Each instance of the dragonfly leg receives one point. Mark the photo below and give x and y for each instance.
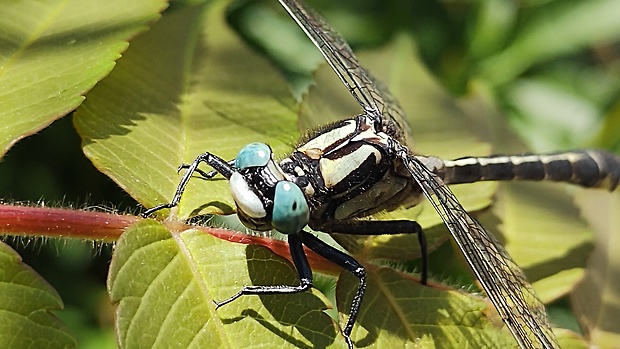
(350, 264)
(367, 227)
(303, 269)
(203, 174)
(214, 161)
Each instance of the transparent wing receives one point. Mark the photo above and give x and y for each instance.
(500, 277)
(371, 94)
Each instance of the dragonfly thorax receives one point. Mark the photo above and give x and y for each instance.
(265, 199)
(347, 170)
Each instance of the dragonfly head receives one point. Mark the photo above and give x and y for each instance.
(264, 198)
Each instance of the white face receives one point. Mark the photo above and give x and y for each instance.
(246, 199)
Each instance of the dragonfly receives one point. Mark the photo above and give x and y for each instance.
(359, 166)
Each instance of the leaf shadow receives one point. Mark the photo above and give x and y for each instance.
(270, 327)
(302, 310)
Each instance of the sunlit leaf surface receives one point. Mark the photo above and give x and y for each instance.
(180, 90)
(53, 52)
(165, 283)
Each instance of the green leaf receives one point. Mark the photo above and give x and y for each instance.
(597, 298)
(53, 52)
(180, 90)
(550, 116)
(545, 235)
(495, 21)
(564, 29)
(397, 311)
(165, 284)
(26, 306)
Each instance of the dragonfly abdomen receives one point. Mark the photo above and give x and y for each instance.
(588, 168)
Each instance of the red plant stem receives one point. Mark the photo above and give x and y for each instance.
(58, 222)
(108, 227)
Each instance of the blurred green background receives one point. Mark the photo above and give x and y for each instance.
(552, 66)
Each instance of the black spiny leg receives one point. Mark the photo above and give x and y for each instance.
(296, 242)
(349, 264)
(303, 269)
(214, 161)
(364, 227)
(206, 175)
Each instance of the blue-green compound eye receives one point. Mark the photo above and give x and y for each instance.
(290, 209)
(253, 155)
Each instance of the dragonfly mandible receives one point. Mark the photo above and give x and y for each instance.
(359, 166)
